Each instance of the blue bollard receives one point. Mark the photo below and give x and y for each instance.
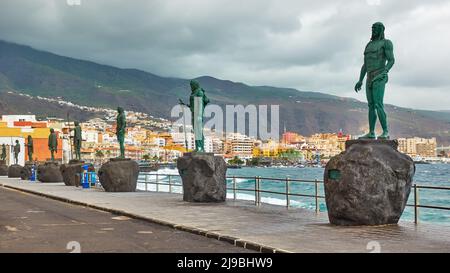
(33, 173)
(84, 177)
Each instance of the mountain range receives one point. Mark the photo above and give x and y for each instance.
(39, 73)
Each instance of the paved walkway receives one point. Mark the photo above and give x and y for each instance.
(30, 223)
(265, 228)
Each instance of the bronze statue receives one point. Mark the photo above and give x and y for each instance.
(120, 130)
(197, 104)
(77, 139)
(3, 152)
(52, 143)
(30, 148)
(378, 60)
(16, 152)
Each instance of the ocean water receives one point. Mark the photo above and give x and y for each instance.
(426, 175)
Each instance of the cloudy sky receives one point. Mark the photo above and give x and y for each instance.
(308, 45)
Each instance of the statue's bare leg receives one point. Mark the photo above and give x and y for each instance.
(372, 112)
(378, 95)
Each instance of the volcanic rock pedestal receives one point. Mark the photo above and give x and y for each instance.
(14, 170)
(25, 173)
(119, 175)
(3, 168)
(71, 172)
(203, 176)
(49, 172)
(368, 184)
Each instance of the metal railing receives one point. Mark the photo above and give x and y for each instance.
(416, 205)
(169, 181)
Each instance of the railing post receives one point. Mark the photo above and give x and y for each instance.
(256, 190)
(259, 192)
(288, 201)
(170, 184)
(146, 182)
(416, 204)
(157, 183)
(316, 196)
(234, 187)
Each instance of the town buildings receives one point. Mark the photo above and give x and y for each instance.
(416, 146)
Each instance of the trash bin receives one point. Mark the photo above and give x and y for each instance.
(92, 178)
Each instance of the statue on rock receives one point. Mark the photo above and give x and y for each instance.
(197, 104)
(52, 143)
(378, 60)
(77, 139)
(16, 152)
(120, 130)
(3, 151)
(30, 148)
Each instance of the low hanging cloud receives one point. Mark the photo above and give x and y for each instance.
(308, 45)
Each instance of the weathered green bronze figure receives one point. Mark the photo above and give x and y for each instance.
(120, 130)
(30, 148)
(52, 143)
(197, 104)
(16, 152)
(3, 152)
(378, 60)
(77, 139)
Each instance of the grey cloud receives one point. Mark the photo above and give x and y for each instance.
(309, 45)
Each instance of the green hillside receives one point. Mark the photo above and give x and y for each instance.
(40, 73)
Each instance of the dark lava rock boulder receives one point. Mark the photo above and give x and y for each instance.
(49, 172)
(3, 168)
(203, 176)
(71, 172)
(368, 184)
(14, 171)
(25, 173)
(119, 175)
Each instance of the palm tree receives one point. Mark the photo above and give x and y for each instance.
(99, 154)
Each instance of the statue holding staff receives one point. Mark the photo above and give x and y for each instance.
(197, 104)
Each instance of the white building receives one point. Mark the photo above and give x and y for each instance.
(178, 138)
(90, 136)
(10, 119)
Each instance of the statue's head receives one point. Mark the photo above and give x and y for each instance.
(120, 110)
(377, 31)
(194, 85)
(76, 123)
(52, 130)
